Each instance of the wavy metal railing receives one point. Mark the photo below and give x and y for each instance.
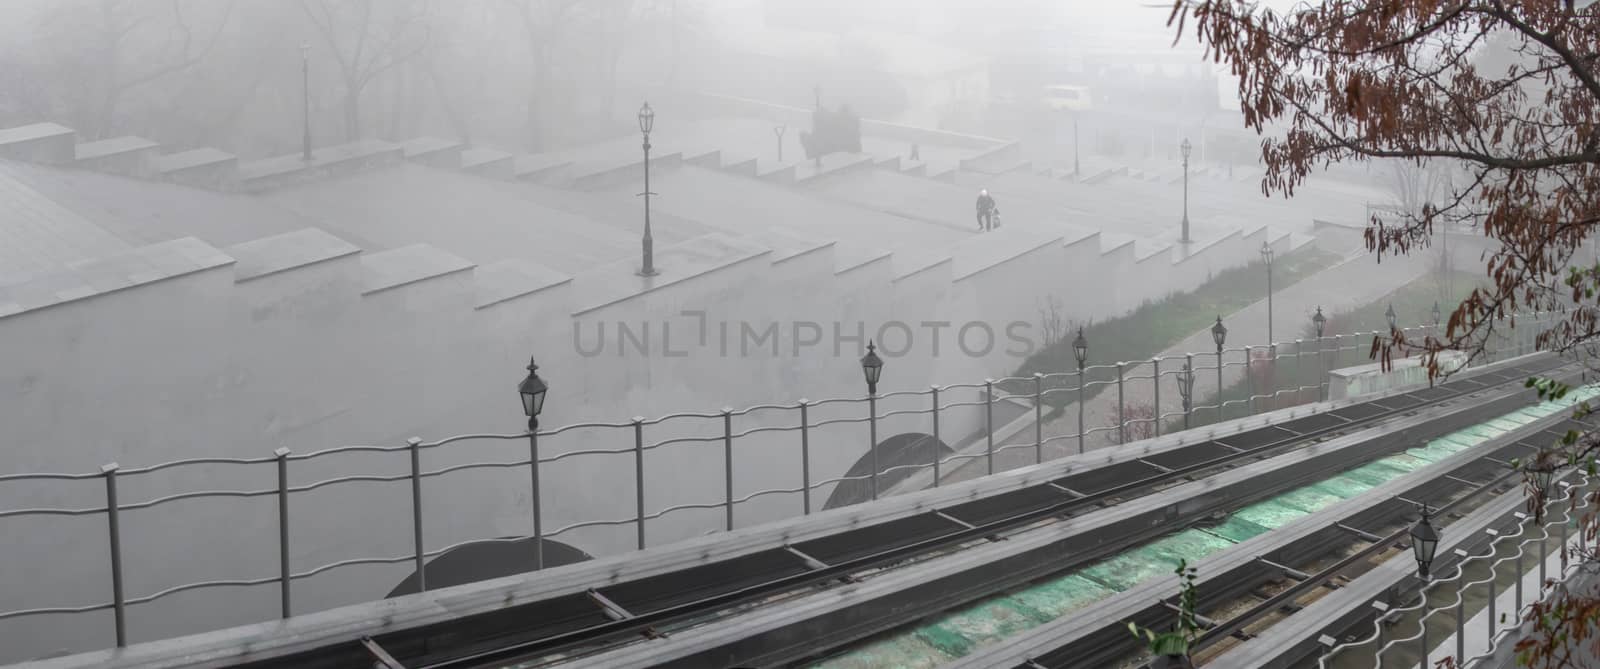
(1161, 368)
(1497, 629)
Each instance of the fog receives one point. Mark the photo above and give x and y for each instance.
(471, 199)
(528, 74)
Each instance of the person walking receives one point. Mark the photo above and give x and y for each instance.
(987, 211)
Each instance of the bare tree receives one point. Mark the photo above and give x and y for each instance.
(368, 38)
(1052, 321)
(135, 43)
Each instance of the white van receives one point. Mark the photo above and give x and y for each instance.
(1067, 98)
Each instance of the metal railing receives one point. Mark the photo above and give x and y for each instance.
(1561, 512)
(800, 418)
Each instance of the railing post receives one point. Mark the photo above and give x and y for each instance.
(937, 454)
(872, 425)
(1299, 355)
(988, 418)
(1188, 404)
(119, 605)
(1273, 384)
(1322, 361)
(1517, 582)
(1422, 624)
(727, 461)
(1122, 420)
(285, 579)
(534, 494)
(1155, 384)
(1219, 385)
(638, 479)
(805, 456)
(1461, 616)
(416, 512)
(1249, 384)
(1038, 417)
(1080, 409)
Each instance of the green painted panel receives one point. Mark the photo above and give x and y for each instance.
(958, 633)
(1404, 463)
(1058, 597)
(1269, 514)
(1309, 499)
(1124, 571)
(1510, 423)
(1351, 485)
(1339, 488)
(1188, 545)
(1433, 452)
(1372, 474)
(1237, 529)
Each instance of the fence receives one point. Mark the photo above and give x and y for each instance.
(804, 420)
(1563, 511)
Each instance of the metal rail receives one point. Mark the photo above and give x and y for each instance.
(523, 650)
(713, 428)
(1216, 631)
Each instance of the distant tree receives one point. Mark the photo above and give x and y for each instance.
(101, 50)
(1506, 94)
(366, 39)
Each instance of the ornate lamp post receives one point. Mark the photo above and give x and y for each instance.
(647, 121)
(533, 390)
(1424, 543)
(1266, 257)
(1186, 390)
(872, 368)
(305, 94)
(1320, 322)
(1219, 334)
(1080, 350)
(1185, 148)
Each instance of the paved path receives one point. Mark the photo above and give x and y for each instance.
(1356, 282)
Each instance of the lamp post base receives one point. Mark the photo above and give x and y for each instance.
(647, 272)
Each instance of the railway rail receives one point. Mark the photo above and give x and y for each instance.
(579, 623)
(1276, 581)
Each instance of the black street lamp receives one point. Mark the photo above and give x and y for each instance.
(1424, 543)
(305, 94)
(647, 122)
(1321, 322)
(1186, 389)
(1185, 148)
(1080, 350)
(533, 390)
(1219, 334)
(872, 368)
(1266, 257)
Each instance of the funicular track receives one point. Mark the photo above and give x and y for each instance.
(1262, 590)
(581, 623)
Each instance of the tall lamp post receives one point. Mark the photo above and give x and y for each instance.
(1186, 390)
(1219, 334)
(1436, 317)
(1185, 148)
(1320, 322)
(1080, 350)
(647, 121)
(872, 368)
(533, 390)
(305, 94)
(1266, 257)
(779, 130)
(1075, 144)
